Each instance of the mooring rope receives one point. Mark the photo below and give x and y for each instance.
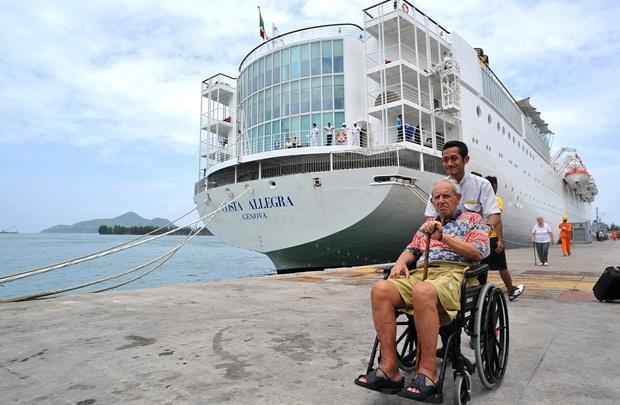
(116, 249)
(2, 279)
(166, 256)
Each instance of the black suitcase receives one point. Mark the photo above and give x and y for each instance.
(607, 287)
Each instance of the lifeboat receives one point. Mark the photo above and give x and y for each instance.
(577, 177)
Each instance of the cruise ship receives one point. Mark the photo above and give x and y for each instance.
(323, 147)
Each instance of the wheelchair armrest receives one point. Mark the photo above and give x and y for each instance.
(479, 271)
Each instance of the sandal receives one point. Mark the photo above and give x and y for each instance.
(420, 383)
(380, 382)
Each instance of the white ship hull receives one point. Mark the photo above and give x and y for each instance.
(349, 220)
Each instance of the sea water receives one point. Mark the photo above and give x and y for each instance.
(203, 259)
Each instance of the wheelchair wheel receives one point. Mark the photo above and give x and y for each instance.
(492, 342)
(462, 385)
(406, 346)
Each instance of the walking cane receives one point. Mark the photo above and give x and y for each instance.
(428, 248)
(534, 247)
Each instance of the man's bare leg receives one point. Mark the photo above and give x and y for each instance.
(385, 298)
(507, 279)
(424, 299)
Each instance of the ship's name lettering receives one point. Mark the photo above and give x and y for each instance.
(260, 203)
(271, 202)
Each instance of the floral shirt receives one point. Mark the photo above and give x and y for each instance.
(467, 226)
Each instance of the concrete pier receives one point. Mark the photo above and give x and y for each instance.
(296, 339)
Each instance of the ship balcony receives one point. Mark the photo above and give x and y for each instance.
(392, 55)
(412, 134)
(395, 95)
(386, 15)
(222, 127)
(219, 88)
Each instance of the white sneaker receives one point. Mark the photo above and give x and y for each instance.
(516, 292)
(545, 264)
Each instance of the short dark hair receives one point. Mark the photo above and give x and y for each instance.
(493, 181)
(463, 151)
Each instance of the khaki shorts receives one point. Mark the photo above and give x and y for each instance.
(446, 278)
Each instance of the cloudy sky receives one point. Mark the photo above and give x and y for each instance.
(99, 100)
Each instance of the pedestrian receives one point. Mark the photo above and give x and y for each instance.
(497, 258)
(399, 127)
(477, 194)
(566, 235)
(329, 134)
(342, 135)
(315, 135)
(355, 135)
(542, 237)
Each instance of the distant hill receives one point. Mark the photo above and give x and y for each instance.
(128, 219)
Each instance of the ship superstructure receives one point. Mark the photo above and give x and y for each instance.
(335, 132)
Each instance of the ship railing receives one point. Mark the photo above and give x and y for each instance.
(389, 54)
(394, 93)
(222, 80)
(395, 155)
(411, 133)
(390, 8)
(292, 139)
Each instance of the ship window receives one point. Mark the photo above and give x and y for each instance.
(268, 70)
(276, 101)
(338, 65)
(285, 64)
(478, 111)
(433, 164)
(409, 158)
(305, 60)
(339, 92)
(221, 177)
(247, 171)
(327, 56)
(295, 97)
(503, 130)
(295, 62)
(305, 96)
(328, 97)
(315, 59)
(498, 127)
(261, 73)
(316, 94)
(489, 119)
(276, 68)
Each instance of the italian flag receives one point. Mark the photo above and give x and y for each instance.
(261, 26)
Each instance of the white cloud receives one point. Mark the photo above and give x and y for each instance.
(91, 73)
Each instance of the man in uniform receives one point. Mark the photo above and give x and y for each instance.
(477, 194)
(566, 235)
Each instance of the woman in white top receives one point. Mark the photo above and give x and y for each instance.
(542, 236)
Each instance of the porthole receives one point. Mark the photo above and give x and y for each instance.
(503, 130)
(498, 126)
(478, 111)
(489, 119)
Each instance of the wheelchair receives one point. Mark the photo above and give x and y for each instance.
(483, 317)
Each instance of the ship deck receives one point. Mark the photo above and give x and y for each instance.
(274, 340)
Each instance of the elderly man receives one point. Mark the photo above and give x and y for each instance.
(458, 239)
